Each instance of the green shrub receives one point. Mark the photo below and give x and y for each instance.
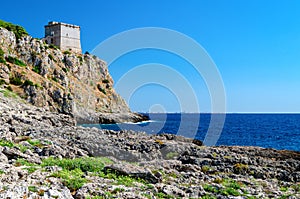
(105, 81)
(53, 46)
(2, 60)
(240, 168)
(9, 88)
(2, 81)
(28, 83)
(66, 70)
(67, 52)
(16, 29)
(101, 89)
(19, 62)
(1, 53)
(15, 81)
(205, 169)
(50, 57)
(36, 69)
(14, 60)
(55, 79)
(80, 59)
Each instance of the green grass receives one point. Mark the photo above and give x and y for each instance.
(22, 147)
(31, 169)
(33, 188)
(208, 197)
(296, 187)
(73, 179)
(210, 188)
(230, 188)
(23, 162)
(73, 169)
(8, 93)
(229, 192)
(97, 197)
(36, 143)
(85, 164)
(231, 184)
(205, 169)
(284, 189)
(11, 144)
(127, 181)
(118, 190)
(6, 143)
(162, 195)
(1, 172)
(171, 155)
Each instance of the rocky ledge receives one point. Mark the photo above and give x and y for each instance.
(45, 155)
(66, 82)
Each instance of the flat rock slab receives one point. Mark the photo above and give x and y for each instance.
(133, 171)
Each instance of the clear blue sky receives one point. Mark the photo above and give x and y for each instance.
(254, 43)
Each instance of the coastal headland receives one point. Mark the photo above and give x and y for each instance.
(45, 93)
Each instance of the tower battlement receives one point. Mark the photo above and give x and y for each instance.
(63, 35)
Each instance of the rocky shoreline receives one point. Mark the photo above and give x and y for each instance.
(37, 148)
(45, 93)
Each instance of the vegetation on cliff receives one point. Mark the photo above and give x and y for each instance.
(19, 31)
(65, 82)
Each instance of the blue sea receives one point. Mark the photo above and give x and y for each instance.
(278, 131)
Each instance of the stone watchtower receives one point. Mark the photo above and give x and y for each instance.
(65, 36)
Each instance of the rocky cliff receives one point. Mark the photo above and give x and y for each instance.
(66, 82)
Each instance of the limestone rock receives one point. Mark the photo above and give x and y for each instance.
(74, 84)
(134, 171)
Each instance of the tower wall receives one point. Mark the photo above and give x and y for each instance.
(65, 36)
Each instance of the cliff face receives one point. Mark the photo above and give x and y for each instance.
(65, 82)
